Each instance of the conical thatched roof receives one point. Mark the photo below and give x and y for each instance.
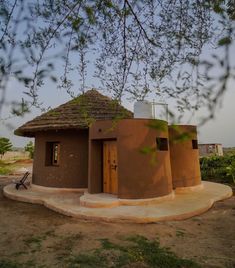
(78, 113)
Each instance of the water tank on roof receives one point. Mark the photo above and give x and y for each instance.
(143, 109)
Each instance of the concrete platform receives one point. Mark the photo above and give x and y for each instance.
(182, 204)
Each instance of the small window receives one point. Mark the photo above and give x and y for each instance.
(162, 144)
(194, 144)
(52, 153)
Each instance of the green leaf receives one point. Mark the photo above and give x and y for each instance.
(76, 23)
(90, 14)
(108, 3)
(147, 150)
(217, 8)
(225, 41)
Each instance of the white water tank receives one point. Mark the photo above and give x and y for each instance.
(143, 109)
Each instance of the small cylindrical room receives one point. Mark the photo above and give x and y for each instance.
(129, 158)
(184, 155)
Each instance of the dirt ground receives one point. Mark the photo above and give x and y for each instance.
(38, 237)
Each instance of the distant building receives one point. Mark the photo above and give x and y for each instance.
(210, 149)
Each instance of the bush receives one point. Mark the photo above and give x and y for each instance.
(218, 168)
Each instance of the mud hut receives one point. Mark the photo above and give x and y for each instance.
(61, 139)
(93, 142)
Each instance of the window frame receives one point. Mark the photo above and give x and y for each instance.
(52, 153)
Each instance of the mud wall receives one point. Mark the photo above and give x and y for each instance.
(72, 170)
(184, 155)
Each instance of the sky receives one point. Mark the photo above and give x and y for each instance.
(221, 129)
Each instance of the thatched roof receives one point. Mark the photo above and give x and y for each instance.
(78, 113)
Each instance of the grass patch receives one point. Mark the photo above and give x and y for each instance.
(2, 163)
(9, 264)
(18, 253)
(4, 171)
(65, 245)
(34, 242)
(138, 251)
(67, 242)
(5, 168)
(12, 264)
(87, 261)
(8, 167)
(50, 233)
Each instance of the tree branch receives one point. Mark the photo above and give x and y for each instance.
(8, 21)
(140, 24)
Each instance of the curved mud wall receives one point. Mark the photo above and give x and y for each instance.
(139, 175)
(184, 155)
(72, 171)
(142, 175)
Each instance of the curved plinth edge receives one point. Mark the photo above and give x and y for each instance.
(182, 206)
(57, 190)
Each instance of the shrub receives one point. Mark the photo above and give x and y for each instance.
(29, 148)
(218, 168)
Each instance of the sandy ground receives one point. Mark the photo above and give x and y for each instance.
(34, 235)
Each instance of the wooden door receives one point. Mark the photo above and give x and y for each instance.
(110, 178)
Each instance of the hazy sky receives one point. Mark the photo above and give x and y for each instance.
(219, 130)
